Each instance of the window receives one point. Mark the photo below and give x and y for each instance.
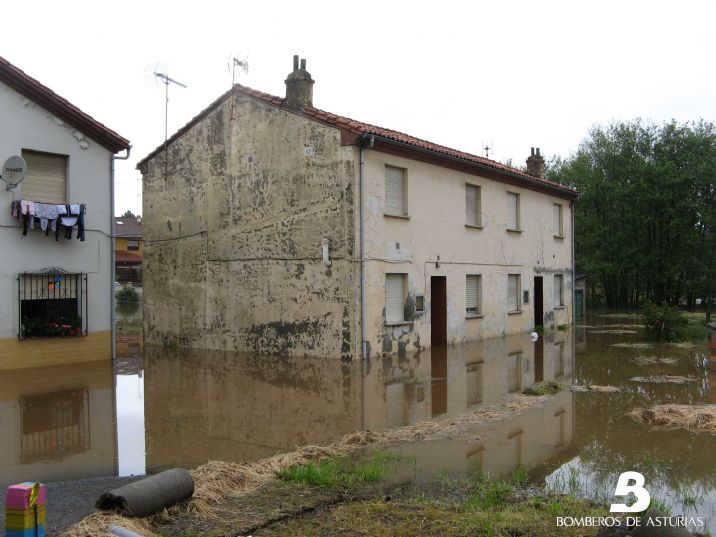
(472, 205)
(513, 211)
(132, 245)
(52, 304)
(558, 290)
(513, 292)
(395, 192)
(46, 178)
(558, 229)
(473, 303)
(395, 298)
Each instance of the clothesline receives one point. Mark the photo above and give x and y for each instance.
(51, 217)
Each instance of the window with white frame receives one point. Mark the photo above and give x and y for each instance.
(396, 200)
(473, 299)
(558, 226)
(558, 290)
(46, 177)
(513, 292)
(132, 245)
(513, 211)
(472, 205)
(395, 285)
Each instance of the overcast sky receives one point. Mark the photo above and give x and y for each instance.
(515, 74)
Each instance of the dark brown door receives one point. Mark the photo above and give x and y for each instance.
(438, 310)
(539, 306)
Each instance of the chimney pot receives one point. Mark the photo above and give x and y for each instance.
(535, 164)
(299, 86)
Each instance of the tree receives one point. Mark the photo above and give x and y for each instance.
(128, 214)
(645, 223)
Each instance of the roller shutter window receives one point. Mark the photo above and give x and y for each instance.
(513, 292)
(472, 205)
(513, 211)
(473, 298)
(395, 202)
(46, 177)
(394, 297)
(558, 231)
(558, 290)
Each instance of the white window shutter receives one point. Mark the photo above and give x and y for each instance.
(512, 211)
(395, 191)
(472, 205)
(394, 297)
(558, 219)
(46, 177)
(513, 292)
(472, 301)
(558, 290)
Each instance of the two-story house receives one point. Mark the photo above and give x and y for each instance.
(274, 227)
(128, 249)
(56, 229)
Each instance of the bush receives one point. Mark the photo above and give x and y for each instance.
(127, 294)
(666, 323)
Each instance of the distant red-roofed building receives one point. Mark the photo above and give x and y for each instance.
(128, 250)
(275, 227)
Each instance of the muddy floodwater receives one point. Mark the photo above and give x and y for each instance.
(157, 408)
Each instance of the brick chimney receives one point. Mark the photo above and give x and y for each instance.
(535, 164)
(299, 86)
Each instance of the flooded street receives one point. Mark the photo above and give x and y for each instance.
(161, 408)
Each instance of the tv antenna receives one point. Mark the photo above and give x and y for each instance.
(166, 80)
(243, 65)
(234, 62)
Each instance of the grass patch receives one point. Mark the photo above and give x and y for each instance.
(341, 472)
(549, 387)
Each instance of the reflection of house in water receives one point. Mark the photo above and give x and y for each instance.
(203, 405)
(58, 423)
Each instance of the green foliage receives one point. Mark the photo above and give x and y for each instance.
(562, 327)
(341, 472)
(646, 216)
(539, 329)
(549, 387)
(520, 476)
(666, 323)
(127, 294)
(488, 493)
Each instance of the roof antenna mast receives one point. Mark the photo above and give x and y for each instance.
(166, 80)
(243, 65)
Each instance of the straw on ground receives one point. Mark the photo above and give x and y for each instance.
(692, 417)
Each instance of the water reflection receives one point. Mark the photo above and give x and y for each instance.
(203, 405)
(678, 465)
(57, 423)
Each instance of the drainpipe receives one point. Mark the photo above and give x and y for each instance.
(365, 143)
(112, 158)
(574, 311)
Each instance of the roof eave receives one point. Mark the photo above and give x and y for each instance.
(48, 99)
(519, 178)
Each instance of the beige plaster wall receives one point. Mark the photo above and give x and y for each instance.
(435, 226)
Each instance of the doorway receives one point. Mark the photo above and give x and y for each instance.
(539, 306)
(438, 310)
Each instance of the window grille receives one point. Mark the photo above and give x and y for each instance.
(52, 304)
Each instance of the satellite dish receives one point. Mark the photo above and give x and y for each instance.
(13, 171)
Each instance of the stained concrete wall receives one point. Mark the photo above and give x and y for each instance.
(27, 125)
(232, 235)
(435, 226)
